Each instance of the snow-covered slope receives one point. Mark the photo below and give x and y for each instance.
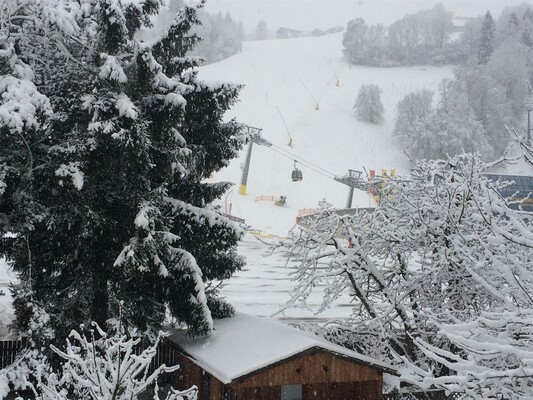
(287, 75)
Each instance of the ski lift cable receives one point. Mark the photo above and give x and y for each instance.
(327, 175)
(303, 160)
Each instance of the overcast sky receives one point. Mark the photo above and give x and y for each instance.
(323, 14)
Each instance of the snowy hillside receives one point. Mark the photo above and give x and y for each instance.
(286, 75)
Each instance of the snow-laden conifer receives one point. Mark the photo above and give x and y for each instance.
(106, 143)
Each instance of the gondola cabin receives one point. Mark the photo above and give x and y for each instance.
(297, 175)
(250, 358)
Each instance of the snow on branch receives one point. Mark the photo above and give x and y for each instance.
(440, 275)
(201, 215)
(97, 366)
(22, 106)
(73, 171)
(112, 70)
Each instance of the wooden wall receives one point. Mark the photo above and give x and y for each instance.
(209, 387)
(324, 376)
(315, 367)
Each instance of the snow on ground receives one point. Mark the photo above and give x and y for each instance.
(286, 75)
(264, 286)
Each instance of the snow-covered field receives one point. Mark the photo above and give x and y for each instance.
(278, 75)
(264, 286)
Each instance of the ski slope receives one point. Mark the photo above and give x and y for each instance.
(291, 76)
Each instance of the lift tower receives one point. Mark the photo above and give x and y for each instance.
(254, 135)
(354, 181)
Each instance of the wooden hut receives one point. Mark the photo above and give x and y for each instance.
(250, 358)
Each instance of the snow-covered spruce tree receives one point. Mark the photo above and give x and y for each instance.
(105, 143)
(368, 106)
(486, 40)
(431, 269)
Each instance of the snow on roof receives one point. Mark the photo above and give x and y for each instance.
(244, 344)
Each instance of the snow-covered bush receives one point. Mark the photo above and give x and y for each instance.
(449, 129)
(368, 106)
(430, 272)
(94, 366)
(414, 112)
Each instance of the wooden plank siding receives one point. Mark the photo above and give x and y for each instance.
(313, 367)
(324, 376)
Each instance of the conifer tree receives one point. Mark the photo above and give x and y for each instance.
(526, 38)
(102, 175)
(486, 41)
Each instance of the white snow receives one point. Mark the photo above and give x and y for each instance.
(112, 69)
(7, 276)
(265, 283)
(126, 107)
(243, 344)
(21, 103)
(273, 72)
(73, 171)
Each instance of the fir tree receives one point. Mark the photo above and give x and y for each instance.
(486, 41)
(526, 38)
(102, 185)
(514, 22)
(528, 15)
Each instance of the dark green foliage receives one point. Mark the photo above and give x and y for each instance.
(104, 201)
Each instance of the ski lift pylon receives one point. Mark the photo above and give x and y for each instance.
(297, 175)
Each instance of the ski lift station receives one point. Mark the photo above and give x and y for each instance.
(251, 358)
(519, 191)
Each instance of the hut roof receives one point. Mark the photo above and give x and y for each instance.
(244, 344)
